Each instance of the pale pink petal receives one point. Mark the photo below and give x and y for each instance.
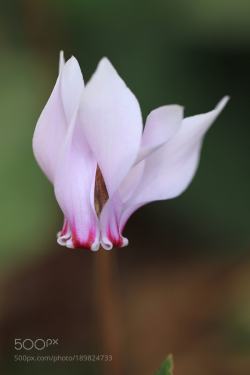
(64, 156)
(74, 182)
(161, 124)
(111, 118)
(164, 174)
(72, 86)
(111, 214)
(170, 169)
(52, 125)
(110, 230)
(50, 133)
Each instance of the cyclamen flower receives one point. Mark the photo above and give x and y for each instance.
(90, 143)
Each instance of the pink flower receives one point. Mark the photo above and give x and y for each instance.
(90, 143)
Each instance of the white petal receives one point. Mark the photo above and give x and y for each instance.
(161, 124)
(131, 181)
(74, 182)
(164, 174)
(112, 122)
(111, 231)
(52, 125)
(72, 86)
(50, 133)
(170, 169)
(112, 213)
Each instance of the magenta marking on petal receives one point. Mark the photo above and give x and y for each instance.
(79, 244)
(115, 241)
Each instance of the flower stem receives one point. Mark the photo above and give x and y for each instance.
(108, 311)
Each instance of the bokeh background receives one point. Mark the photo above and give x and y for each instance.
(184, 281)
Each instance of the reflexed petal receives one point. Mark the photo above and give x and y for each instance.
(74, 190)
(111, 118)
(166, 173)
(170, 169)
(161, 124)
(52, 125)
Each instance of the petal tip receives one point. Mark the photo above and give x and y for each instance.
(105, 67)
(61, 54)
(104, 61)
(69, 244)
(223, 102)
(61, 60)
(72, 61)
(60, 241)
(125, 242)
(106, 244)
(95, 246)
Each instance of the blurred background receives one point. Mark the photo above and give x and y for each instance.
(183, 284)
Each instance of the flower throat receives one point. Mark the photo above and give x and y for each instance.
(101, 193)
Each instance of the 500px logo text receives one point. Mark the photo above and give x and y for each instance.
(37, 344)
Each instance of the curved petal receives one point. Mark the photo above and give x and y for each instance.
(170, 169)
(64, 234)
(72, 86)
(110, 224)
(161, 124)
(52, 125)
(111, 118)
(166, 173)
(50, 133)
(74, 182)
